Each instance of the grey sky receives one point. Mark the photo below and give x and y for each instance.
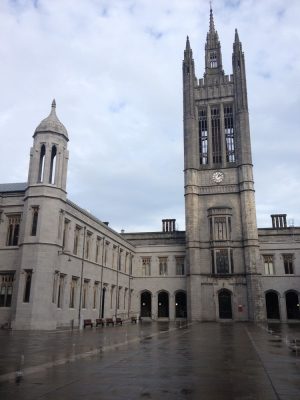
(114, 68)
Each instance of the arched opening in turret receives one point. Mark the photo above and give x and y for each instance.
(52, 165)
(42, 164)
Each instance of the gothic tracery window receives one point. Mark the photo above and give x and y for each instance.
(216, 135)
(203, 139)
(229, 133)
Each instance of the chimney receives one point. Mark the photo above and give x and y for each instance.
(168, 225)
(279, 221)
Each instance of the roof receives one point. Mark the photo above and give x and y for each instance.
(52, 124)
(13, 187)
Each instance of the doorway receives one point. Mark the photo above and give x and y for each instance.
(272, 305)
(163, 305)
(225, 308)
(180, 305)
(292, 305)
(146, 304)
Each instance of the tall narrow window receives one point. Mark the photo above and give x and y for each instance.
(73, 290)
(120, 259)
(119, 296)
(220, 228)
(229, 133)
(6, 288)
(268, 263)
(222, 262)
(13, 230)
(179, 265)
(88, 245)
(146, 266)
(76, 239)
(35, 215)
(213, 59)
(112, 290)
(42, 164)
(55, 284)
(163, 266)
(288, 263)
(130, 263)
(105, 253)
(95, 294)
(27, 286)
(216, 135)
(98, 245)
(85, 293)
(203, 147)
(52, 165)
(60, 296)
(65, 234)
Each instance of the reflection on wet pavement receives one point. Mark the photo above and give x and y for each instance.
(161, 361)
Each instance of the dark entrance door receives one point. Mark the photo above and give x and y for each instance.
(180, 304)
(225, 310)
(272, 305)
(103, 302)
(163, 305)
(292, 305)
(146, 299)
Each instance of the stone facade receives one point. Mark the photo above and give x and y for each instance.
(60, 265)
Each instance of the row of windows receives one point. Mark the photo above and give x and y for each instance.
(13, 226)
(288, 264)
(216, 135)
(90, 295)
(163, 268)
(96, 248)
(6, 287)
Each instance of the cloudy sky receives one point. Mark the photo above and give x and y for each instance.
(114, 68)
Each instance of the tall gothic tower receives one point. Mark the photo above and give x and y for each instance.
(223, 262)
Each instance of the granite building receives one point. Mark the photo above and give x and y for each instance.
(60, 265)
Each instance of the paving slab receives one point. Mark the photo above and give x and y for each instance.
(208, 361)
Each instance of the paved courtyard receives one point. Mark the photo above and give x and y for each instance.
(152, 361)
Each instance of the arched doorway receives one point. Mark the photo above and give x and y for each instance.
(103, 302)
(163, 305)
(272, 305)
(180, 305)
(292, 305)
(146, 304)
(225, 308)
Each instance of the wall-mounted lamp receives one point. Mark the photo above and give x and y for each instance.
(60, 252)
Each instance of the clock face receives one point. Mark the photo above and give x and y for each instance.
(218, 177)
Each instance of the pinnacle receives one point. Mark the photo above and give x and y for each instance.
(236, 37)
(53, 104)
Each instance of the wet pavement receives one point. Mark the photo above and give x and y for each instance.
(208, 361)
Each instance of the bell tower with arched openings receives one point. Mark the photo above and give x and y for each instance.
(49, 154)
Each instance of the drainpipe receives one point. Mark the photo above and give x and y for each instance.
(101, 280)
(81, 278)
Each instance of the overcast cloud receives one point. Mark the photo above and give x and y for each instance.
(114, 68)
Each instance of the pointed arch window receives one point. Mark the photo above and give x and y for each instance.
(52, 165)
(35, 216)
(229, 133)
(42, 164)
(203, 140)
(213, 63)
(216, 135)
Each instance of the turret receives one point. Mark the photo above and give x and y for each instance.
(213, 55)
(49, 154)
(189, 110)
(241, 103)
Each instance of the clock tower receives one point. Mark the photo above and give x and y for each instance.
(223, 261)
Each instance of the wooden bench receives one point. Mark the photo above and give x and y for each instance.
(294, 345)
(119, 321)
(109, 321)
(99, 321)
(87, 322)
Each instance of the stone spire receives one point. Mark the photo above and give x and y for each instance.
(213, 56)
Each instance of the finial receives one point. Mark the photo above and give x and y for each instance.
(211, 18)
(53, 104)
(188, 47)
(236, 36)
